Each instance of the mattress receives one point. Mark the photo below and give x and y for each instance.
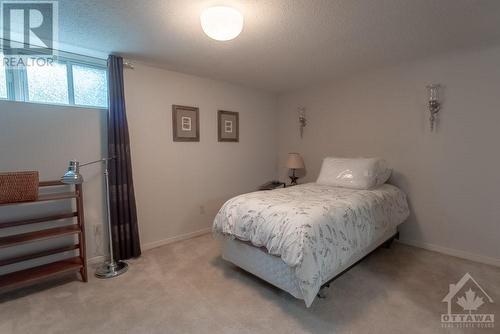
(314, 229)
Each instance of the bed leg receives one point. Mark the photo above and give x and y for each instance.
(322, 293)
(389, 242)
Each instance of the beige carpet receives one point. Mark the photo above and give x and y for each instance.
(187, 288)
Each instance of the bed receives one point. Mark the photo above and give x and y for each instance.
(299, 238)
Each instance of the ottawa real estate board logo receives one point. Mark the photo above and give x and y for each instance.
(29, 31)
(467, 305)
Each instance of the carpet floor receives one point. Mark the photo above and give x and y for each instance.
(186, 287)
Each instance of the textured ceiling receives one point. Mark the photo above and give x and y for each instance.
(285, 44)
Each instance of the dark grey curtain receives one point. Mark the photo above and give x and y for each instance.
(124, 228)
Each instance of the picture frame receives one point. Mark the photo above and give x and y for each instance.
(228, 126)
(185, 123)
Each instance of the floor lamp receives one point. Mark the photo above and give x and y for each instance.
(72, 176)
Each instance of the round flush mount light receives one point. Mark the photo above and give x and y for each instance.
(221, 23)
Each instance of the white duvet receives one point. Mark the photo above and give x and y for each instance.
(313, 228)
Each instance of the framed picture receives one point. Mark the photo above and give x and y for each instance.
(228, 126)
(185, 123)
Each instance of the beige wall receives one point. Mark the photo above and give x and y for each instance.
(180, 186)
(44, 138)
(451, 176)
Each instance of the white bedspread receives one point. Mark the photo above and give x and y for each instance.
(313, 228)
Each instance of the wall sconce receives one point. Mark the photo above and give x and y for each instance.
(302, 120)
(434, 104)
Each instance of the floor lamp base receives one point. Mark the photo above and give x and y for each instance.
(111, 269)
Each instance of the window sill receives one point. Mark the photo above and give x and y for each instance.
(56, 104)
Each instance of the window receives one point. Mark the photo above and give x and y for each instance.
(63, 82)
(3, 82)
(90, 86)
(48, 84)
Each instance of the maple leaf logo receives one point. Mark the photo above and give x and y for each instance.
(471, 302)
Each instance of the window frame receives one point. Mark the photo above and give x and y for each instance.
(82, 64)
(17, 84)
(6, 85)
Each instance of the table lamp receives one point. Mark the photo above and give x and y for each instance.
(294, 162)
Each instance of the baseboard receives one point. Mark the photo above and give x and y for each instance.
(453, 252)
(97, 259)
(423, 245)
(170, 240)
(101, 258)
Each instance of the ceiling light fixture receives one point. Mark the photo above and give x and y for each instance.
(221, 23)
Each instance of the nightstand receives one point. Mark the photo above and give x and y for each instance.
(272, 185)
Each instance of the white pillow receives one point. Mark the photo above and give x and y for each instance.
(359, 173)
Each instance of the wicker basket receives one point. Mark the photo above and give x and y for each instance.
(18, 187)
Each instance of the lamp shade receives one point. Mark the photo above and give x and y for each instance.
(72, 176)
(295, 161)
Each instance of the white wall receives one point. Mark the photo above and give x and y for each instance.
(451, 176)
(181, 185)
(44, 138)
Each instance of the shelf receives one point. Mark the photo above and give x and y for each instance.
(47, 197)
(41, 272)
(40, 232)
(18, 239)
(51, 183)
(37, 255)
(39, 220)
(53, 197)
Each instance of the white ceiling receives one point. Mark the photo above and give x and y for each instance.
(285, 44)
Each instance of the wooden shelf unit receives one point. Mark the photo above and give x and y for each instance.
(71, 265)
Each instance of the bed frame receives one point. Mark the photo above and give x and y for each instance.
(386, 244)
(272, 269)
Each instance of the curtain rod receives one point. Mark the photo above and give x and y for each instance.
(126, 63)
